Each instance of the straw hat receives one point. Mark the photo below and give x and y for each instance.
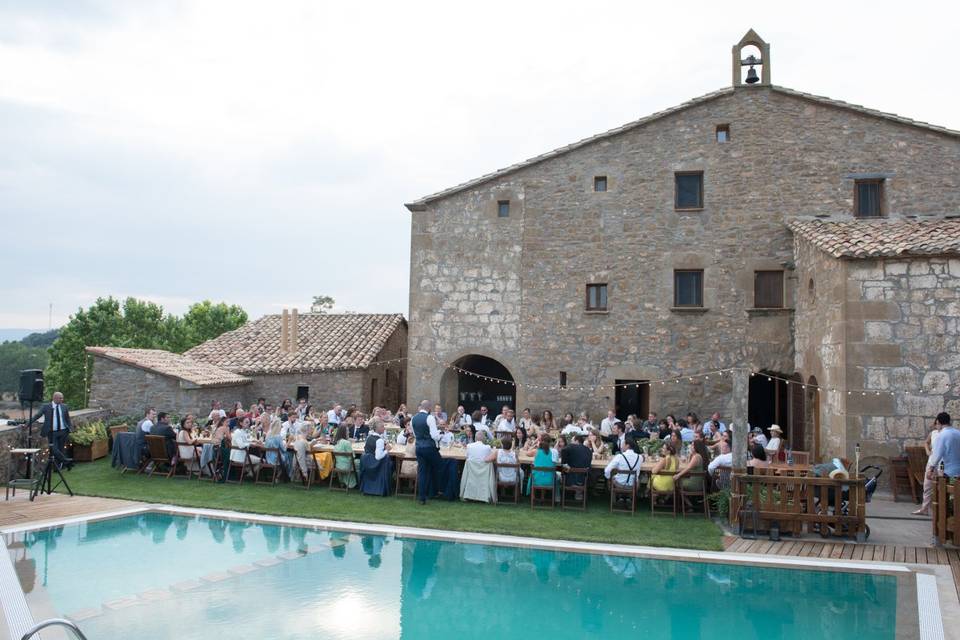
(776, 428)
(839, 473)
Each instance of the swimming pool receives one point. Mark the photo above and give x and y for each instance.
(157, 575)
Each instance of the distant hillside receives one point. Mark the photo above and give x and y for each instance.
(14, 334)
(27, 352)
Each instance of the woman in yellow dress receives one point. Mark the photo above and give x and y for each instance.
(668, 465)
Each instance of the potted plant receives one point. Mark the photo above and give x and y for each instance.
(89, 441)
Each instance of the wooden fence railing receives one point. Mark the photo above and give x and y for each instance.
(946, 497)
(824, 505)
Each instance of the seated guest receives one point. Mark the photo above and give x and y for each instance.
(724, 459)
(485, 421)
(687, 430)
(400, 418)
(662, 431)
(507, 455)
(616, 438)
(376, 467)
(478, 481)
(241, 439)
(606, 425)
(561, 443)
(576, 455)
(360, 431)
(594, 442)
(699, 459)
(651, 424)
(547, 422)
(221, 442)
(758, 455)
(446, 436)
(521, 436)
(164, 430)
(143, 429)
(757, 435)
(568, 419)
(626, 460)
(470, 432)
(343, 444)
(505, 423)
(775, 443)
(462, 418)
(543, 459)
(676, 439)
(666, 464)
(406, 434)
(274, 441)
(185, 436)
(303, 409)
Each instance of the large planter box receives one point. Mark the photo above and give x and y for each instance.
(98, 449)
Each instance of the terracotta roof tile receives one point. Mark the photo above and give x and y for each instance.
(174, 365)
(879, 238)
(326, 342)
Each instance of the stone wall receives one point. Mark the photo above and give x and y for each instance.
(902, 320)
(390, 379)
(820, 335)
(127, 390)
(513, 288)
(326, 388)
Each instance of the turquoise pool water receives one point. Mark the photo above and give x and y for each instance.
(156, 576)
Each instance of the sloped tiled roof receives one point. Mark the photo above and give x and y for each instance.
(420, 205)
(326, 342)
(174, 365)
(880, 238)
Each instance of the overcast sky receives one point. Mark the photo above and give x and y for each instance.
(261, 153)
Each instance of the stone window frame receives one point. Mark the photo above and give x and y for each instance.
(503, 205)
(676, 190)
(745, 281)
(606, 296)
(601, 179)
(722, 129)
(676, 291)
(882, 197)
(783, 289)
(563, 379)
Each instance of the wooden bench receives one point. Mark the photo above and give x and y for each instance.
(946, 495)
(801, 501)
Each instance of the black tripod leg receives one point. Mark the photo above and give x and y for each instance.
(63, 481)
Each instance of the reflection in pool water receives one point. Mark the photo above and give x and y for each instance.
(157, 575)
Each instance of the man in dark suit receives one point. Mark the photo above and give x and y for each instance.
(163, 428)
(576, 455)
(56, 427)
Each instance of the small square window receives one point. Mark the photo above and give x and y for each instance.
(503, 208)
(563, 379)
(688, 288)
(596, 297)
(768, 289)
(723, 133)
(600, 183)
(689, 190)
(868, 198)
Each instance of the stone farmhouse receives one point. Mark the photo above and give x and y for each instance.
(810, 241)
(327, 358)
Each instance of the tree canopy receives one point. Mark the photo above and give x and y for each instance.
(136, 324)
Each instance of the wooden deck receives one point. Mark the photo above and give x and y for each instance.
(19, 510)
(850, 551)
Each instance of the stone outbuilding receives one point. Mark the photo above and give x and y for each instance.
(611, 272)
(327, 358)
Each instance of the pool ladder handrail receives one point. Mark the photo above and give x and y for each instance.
(54, 622)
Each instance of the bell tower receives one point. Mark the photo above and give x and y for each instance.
(751, 61)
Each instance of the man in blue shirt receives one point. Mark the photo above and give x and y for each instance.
(946, 449)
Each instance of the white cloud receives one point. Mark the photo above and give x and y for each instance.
(247, 152)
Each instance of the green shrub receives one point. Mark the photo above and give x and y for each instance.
(720, 502)
(86, 434)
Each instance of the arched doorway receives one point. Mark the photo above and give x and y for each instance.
(478, 380)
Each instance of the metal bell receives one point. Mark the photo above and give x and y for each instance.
(752, 77)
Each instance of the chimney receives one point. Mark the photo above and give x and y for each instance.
(284, 331)
(294, 330)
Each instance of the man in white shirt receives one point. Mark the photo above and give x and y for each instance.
(334, 416)
(148, 419)
(606, 425)
(485, 423)
(505, 422)
(716, 423)
(290, 428)
(382, 447)
(626, 460)
(773, 446)
(480, 450)
(216, 412)
(463, 418)
(759, 437)
(725, 459)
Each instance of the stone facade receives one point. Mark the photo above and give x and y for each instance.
(513, 288)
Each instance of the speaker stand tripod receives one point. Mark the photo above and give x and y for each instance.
(45, 484)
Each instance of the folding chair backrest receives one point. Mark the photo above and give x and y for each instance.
(157, 447)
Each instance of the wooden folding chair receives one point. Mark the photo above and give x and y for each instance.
(917, 463)
(509, 489)
(578, 492)
(654, 494)
(157, 448)
(623, 484)
(800, 457)
(274, 468)
(542, 493)
(697, 493)
(213, 465)
(242, 466)
(406, 478)
(189, 465)
(900, 480)
(308, 475)
(341, 476)
(114, 430)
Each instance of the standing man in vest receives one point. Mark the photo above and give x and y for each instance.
(56, 427)
(428, 455)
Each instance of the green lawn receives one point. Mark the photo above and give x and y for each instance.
(595, 525)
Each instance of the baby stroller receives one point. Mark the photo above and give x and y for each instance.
(872, 473)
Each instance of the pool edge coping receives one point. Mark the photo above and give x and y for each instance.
(925, 621)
